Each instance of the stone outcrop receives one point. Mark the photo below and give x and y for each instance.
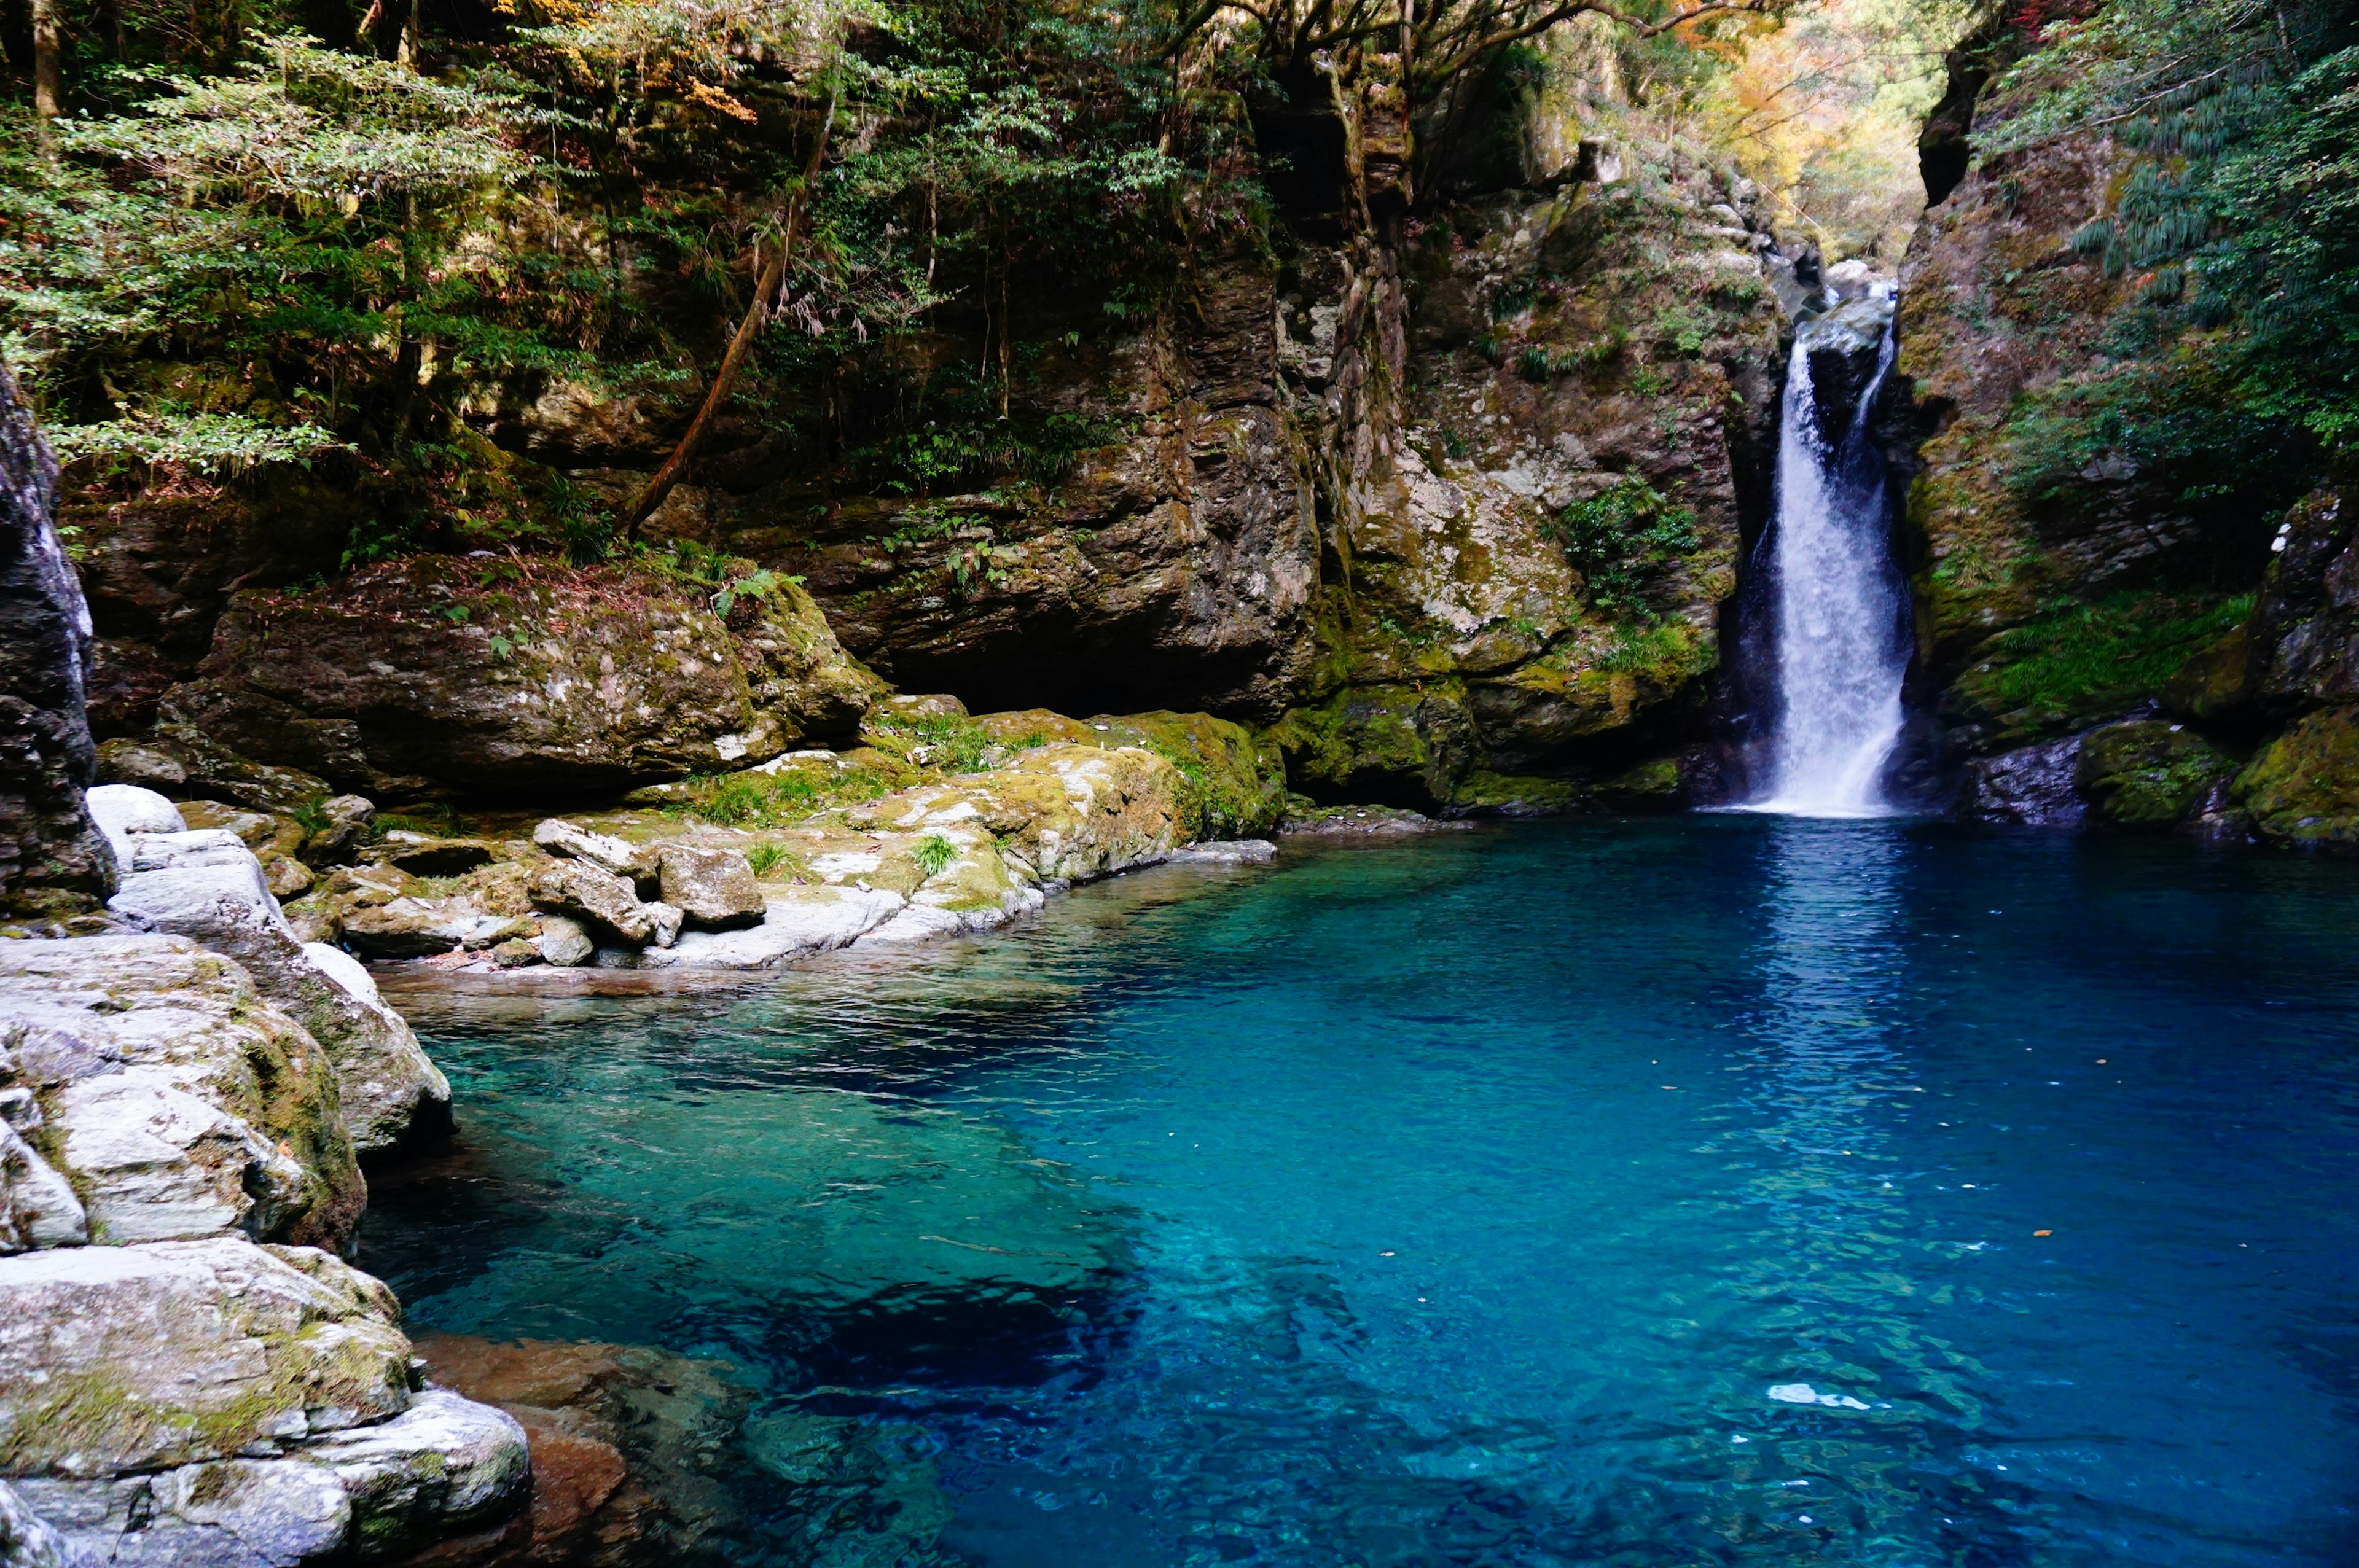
(53, 862)
(1174, 563)
(1609, 345)
(430, 675)
(186, 1378)
(208, 887)
(175, 1097)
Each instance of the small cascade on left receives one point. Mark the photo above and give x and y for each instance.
(1838, 607)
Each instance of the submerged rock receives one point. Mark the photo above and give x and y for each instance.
(628, 1444)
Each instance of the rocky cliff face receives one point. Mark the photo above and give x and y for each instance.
(2107, 639)
(52, 859)
(1454, 502)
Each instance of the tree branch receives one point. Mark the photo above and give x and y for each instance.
(724, 380)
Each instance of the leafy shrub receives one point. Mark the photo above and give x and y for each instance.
(934, 854)
(1619, 539)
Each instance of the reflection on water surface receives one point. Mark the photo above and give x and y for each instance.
(1654, 1192)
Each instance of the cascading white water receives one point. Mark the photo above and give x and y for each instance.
(1840, 638)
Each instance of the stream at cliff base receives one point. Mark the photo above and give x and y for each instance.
(1713, 1189)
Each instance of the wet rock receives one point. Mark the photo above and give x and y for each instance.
(2147, 773)
(628, 1444)
(177, 1099)
(2033, 786)
(390, 1092)
(1361, 822)
(125, 1358)
(1229, 852)
(714, 888)
(1842, 349)
(566, 680)
(52, 860)
(2302, 788)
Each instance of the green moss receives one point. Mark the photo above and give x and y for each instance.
(2303, 787)
(1235, 784)
(2147, 774)
(2081, 663)
(756, 799)
(1511, 795)
(945, 742)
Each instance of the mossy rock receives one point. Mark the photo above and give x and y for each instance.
(2303, 787)
(2146, 774)
(1397, 744)
(1235, 781)
(1484, 793)
(1024, 727)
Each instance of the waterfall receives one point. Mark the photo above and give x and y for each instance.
(1839, 609)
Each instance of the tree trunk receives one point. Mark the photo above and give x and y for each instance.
(724, 380)
(48, 69)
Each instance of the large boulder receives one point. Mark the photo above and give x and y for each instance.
(604, 900)
(127, 1358)
(52, 860)
(714, 888)
(171, 1094)
(391, 1093)
(2302, 788)
(2147, 773)
(418, 676)
(1060, 813)
(217, 1404)
(1233, 782)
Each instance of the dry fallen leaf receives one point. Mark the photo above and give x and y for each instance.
(2043, 1233)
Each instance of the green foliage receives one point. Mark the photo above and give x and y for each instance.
(766, 858)
(207, 444)
(2081, 660)
(2237, 213)
(950, 742)
(1619, 539)
(750, 799)
(934, 854)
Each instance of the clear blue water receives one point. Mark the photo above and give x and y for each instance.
(1665, 1192)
